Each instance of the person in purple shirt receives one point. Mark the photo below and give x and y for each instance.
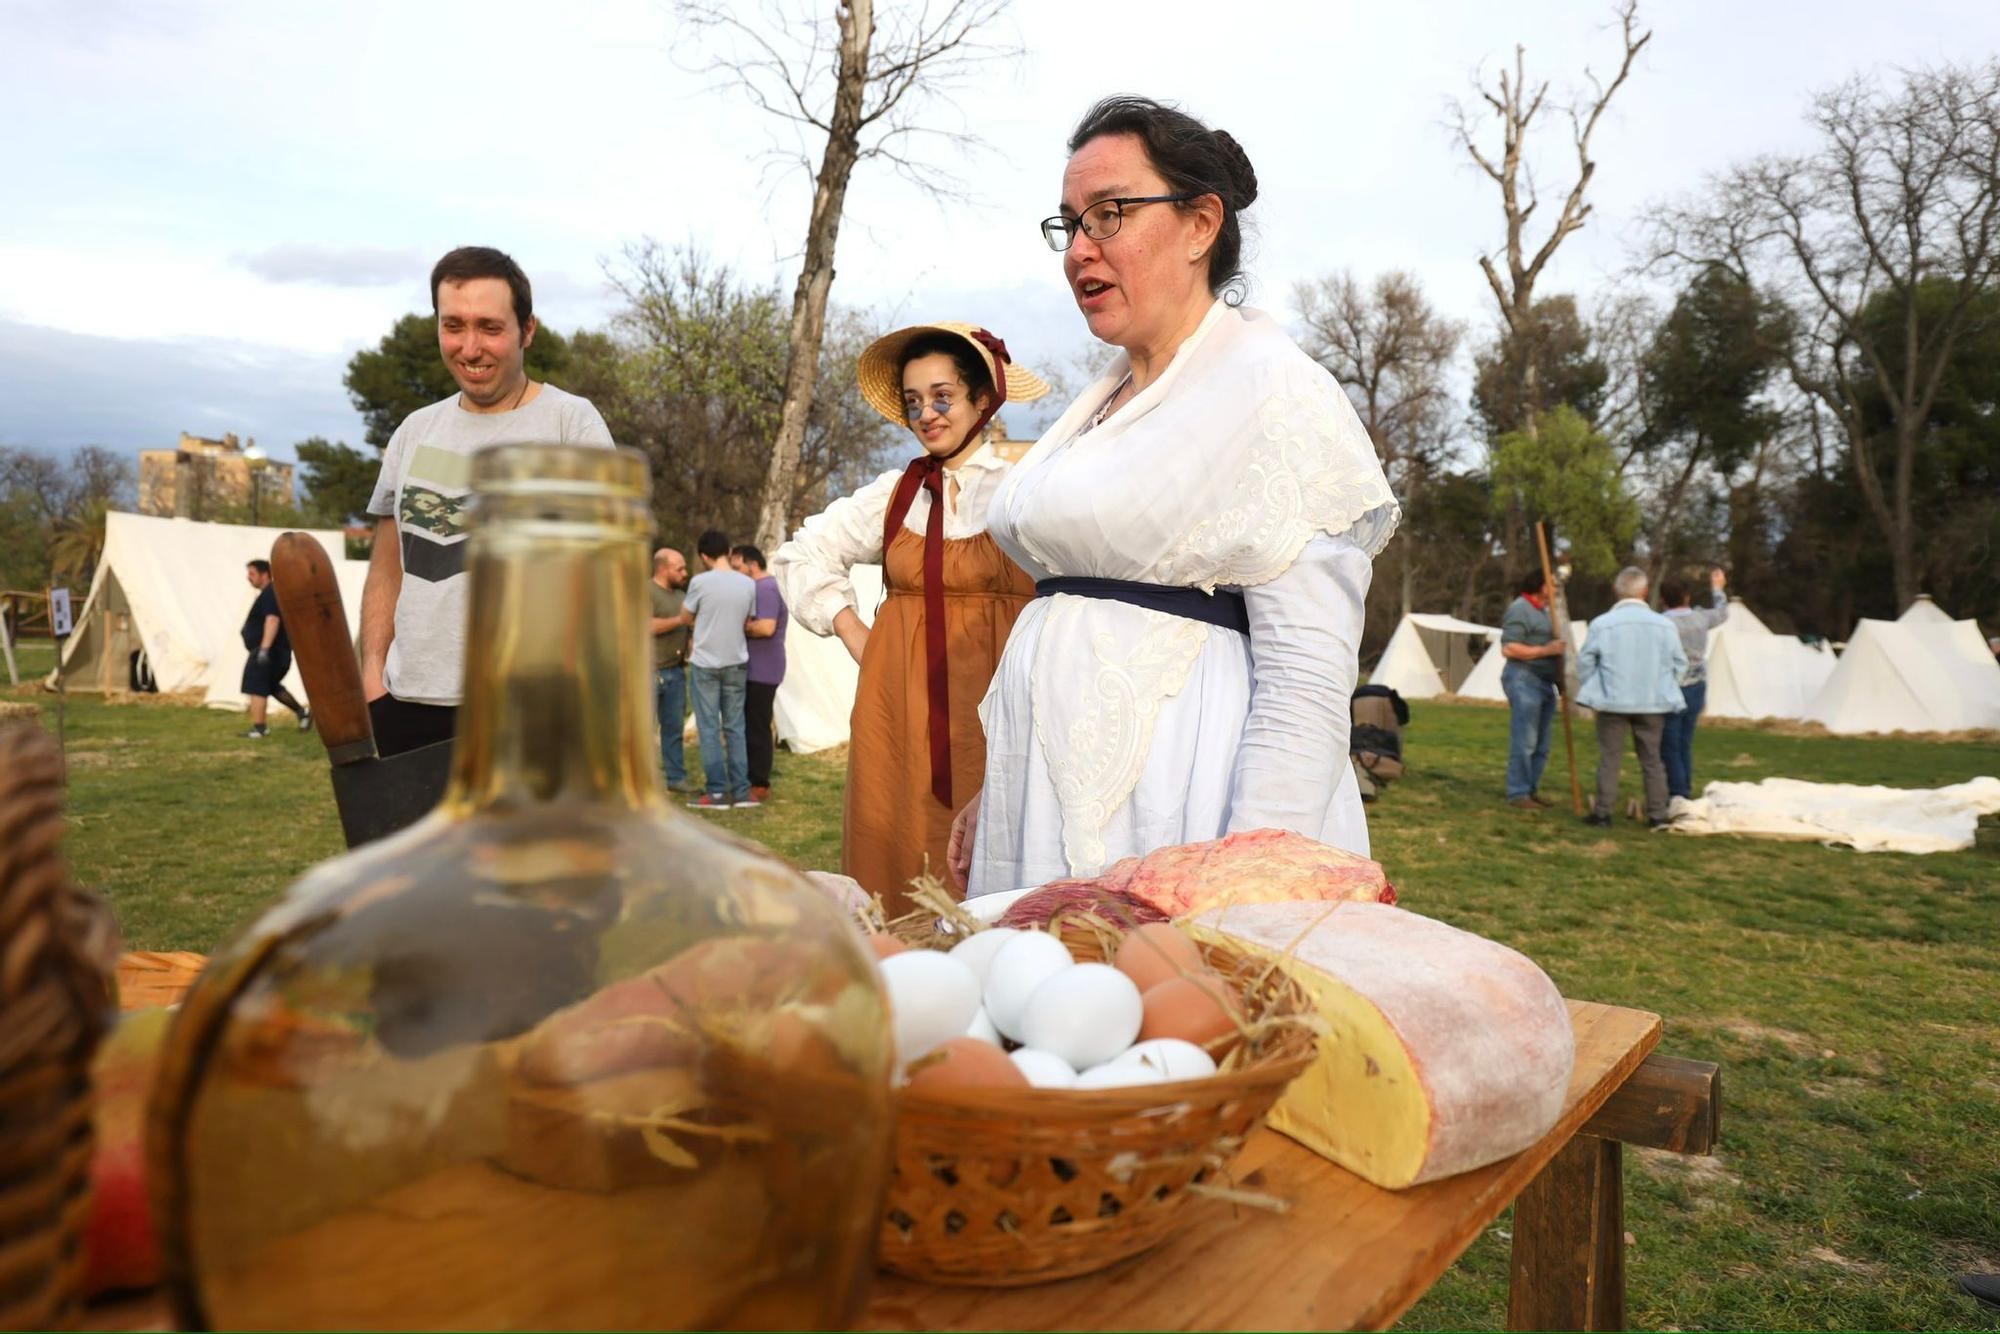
(766, 632)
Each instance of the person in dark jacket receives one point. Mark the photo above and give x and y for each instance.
(270, 654)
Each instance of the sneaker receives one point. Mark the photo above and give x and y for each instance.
(760, 794)
(1540, 800)
(1657, 823)
(306, 721)
(257, 733)
(682, 788)
(1524, 803)
(747, 802)
(1596, 821)
(705, 802)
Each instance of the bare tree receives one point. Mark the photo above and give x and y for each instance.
(1515, 108)
(1392, 353)
(865, 90)
(1881, 240)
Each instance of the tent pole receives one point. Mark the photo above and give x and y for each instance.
(1559, 624)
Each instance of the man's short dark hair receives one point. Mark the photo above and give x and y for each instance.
(1673, 591)
(260, 566)
(713, 545)
(750, 555)
(479, 261)
(1530, 580)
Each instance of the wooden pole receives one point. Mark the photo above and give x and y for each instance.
(1559, 624)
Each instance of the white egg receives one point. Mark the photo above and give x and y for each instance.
(1045, 1070)
(1118, 1075)
(1018, 967)
(932, 999)
(976, 952)
(982, 1028)
(1172, 1057)
(1086, 1014)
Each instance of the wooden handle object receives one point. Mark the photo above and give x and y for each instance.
(309, 601)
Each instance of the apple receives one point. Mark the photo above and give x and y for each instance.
(121, 1248)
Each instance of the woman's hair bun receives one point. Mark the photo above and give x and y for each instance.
(1243, 176)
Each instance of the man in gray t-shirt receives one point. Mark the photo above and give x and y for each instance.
(721, 602)
(413, 610)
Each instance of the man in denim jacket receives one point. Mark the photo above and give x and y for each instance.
(1629, 672)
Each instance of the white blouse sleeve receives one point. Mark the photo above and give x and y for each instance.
(1305, 635)
(811, 569)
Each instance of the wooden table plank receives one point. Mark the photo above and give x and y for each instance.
(1347, 1256)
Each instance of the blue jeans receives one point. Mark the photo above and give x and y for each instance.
(718, 717)
(1677, 745)
(1531, 704)
(670, 707)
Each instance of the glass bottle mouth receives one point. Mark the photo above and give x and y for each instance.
(565, 484)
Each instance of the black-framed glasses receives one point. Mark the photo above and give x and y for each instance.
(1101, 221)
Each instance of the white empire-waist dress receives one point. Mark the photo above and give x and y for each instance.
(1112, 729)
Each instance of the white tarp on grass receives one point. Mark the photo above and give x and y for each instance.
(174, 588)
(1429, 655)
(1868, 819)
(1911, 676)
(816, 700)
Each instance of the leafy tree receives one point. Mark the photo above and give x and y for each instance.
(338, 481)
(404, 372)
(1567, 473)
(1553, 342)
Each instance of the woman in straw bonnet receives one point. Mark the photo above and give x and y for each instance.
(1201, 525)
(916, 752)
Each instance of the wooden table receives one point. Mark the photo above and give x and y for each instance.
(1348, 1255)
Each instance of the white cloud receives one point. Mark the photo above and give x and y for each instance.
(333, 265)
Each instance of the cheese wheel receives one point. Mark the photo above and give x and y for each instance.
(1444, 1052)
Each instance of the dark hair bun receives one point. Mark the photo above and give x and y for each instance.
(1242, 176)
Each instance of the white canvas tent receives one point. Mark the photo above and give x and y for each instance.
(1903, 676)
(173, 589)
(1924, 612)
(1753, 673)
(817, 697)
(1429, 655)
(1483, 682)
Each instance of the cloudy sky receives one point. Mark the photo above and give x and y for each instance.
(210, 207)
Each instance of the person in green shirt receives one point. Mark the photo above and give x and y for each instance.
(670, 654)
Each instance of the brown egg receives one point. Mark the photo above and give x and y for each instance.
(1156, 952)
(965, 1063)
(1188, 1008)
(884, 945)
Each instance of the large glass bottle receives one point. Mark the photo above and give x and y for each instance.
(556, 1056)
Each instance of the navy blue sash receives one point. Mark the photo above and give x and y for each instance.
(1222, 608)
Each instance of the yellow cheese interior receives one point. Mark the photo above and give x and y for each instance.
(1361, 1102)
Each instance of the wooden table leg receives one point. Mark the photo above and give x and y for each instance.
(1569, 1242)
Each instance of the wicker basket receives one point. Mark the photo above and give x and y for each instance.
(56, 947)
(1012, 1187)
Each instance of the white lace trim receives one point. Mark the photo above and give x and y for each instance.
(1095, 734)
(1301, 479)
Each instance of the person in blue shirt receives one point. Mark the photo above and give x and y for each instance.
(1531, 678)
(270, 654)
(1630, 673)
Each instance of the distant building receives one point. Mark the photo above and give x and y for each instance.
(202, 478)
(1010, 450)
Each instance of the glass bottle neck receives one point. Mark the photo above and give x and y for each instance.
(557, 705)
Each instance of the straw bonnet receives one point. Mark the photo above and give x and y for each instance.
(880, 370)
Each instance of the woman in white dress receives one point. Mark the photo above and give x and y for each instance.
(1200, 525)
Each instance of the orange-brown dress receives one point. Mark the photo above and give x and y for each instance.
(893, 822)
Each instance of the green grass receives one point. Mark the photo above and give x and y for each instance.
(1853, 1001)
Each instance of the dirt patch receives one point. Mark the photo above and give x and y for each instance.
(1740, 762)
(103, 759)
(1828, 1256)
(1602, 848)
(1798, 1044)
